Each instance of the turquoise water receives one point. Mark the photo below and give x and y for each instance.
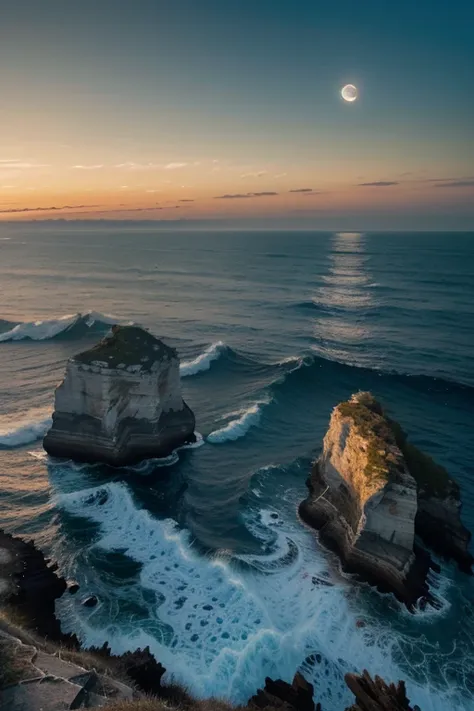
(202, 556)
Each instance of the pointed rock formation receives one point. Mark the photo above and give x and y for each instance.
(120, 402)
(376, 695)
(278, 694)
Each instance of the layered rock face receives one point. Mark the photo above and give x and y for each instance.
(438, 519)
(364, 500)
(120, 402)
(371, 492)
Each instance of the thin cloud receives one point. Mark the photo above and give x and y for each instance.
(88, 167)
(378, 184)
(280, 175)
(302, 190)
(130, 209)
(175, 166)
(456, 184)
(187, 200)
(447, 180)
(259, 174)
(130, 165)
(45, 209)
(20, 165)
(239, 196)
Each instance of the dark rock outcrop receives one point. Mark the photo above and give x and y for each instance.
(376, 695)
(371, 492)
(30, 585)
(120, 402)
(438, 519)
(278, 694)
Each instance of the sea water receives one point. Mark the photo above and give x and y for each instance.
(202, 556)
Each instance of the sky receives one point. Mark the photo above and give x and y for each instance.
(231, 111)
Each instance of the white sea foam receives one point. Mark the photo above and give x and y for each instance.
(40, 330)
(203, 361)
(43, 330)
(248, 417)
(221, 625)
(19, 429)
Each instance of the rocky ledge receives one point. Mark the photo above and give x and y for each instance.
(371, 492)
(47, 671)
(120, 402)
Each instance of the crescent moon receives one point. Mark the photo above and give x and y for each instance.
(349, 93)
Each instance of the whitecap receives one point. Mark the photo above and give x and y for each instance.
(44, 330)
(40, 330)
(221, 625)
(203, 361)
(249, 417)
(19, 429)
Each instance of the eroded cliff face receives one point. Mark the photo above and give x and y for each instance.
(120, 402)
(363, 500)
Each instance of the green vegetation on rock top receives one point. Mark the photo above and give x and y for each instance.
(382, 434)
(374, 428)
(126, 346)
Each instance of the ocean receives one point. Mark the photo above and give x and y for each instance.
(202, 556)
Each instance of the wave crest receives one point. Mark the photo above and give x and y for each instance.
(203, 361)
(15, 431)
(235, 429)
(50, 328)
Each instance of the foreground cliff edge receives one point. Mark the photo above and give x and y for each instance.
(42, 669)
(120, 402)
(371, 491)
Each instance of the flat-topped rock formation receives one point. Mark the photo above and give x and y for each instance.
(120, 402)
(371, 492)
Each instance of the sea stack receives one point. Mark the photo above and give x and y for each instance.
(371, 492)
(363, 500)
(120, 402)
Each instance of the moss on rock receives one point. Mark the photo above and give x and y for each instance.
(382, 434)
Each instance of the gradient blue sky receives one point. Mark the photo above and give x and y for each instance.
(137, 108)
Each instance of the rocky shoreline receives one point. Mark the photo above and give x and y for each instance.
(52, 674)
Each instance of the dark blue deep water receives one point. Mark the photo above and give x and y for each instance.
(202, 556)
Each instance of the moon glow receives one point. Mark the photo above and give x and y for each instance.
(349, 93)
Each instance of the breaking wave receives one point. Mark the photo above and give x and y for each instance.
(220, 624)
(249, 417)
(17, 430)
(71, 324)
(203, 361)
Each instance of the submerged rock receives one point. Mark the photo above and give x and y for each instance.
(371, 492)
(90, 601)
(120, 402)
